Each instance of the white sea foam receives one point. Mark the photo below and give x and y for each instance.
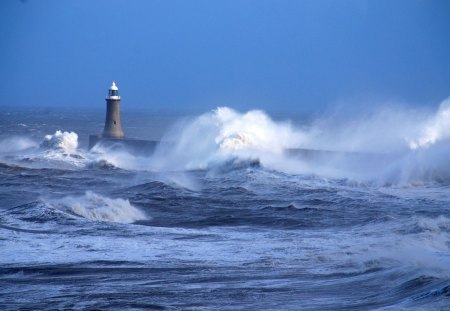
(96, 207)
(420, 242)
(65, 141)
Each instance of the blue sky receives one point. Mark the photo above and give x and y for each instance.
(280, 56)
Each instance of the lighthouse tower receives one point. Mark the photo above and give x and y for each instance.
(112, 136)
(113, 128)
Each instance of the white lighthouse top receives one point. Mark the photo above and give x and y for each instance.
(113, 92)
(113, 86)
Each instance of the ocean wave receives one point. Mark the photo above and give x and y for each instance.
(221, 135)
(377, 148)
(224, 140)
(57, 151)
(101, 164)
(437, 225)
(99, 208)
(65, 141)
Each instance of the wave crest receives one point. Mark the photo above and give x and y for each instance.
(221, 135)
(65, 141)
(253, 129)
(96, 207)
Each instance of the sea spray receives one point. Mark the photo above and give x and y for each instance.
(221, 135)
(385, 129)
(65, 141)
(436, 129)
(388, 145)
(58, 150)
(16, 144)
(373, 147)
(254, 130)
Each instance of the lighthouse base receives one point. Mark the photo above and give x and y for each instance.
(135, 146)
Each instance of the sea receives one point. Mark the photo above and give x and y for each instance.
(234, 210)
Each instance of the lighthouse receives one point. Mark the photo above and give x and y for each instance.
(113, 128)
(112, 137)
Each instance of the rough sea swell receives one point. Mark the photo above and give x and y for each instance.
(222, 217)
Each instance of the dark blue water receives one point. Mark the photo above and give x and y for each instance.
(195, 230)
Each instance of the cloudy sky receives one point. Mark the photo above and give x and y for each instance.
(278, 55)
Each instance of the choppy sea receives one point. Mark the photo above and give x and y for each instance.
(220, 217)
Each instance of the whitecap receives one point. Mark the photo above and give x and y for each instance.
(100, 208)
(65, 141)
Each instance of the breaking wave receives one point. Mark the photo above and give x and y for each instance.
(375, 147)
(221, 135)
(65, 141)
(251, 130)
(60, 149)
(388, 146)
(96, 207)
